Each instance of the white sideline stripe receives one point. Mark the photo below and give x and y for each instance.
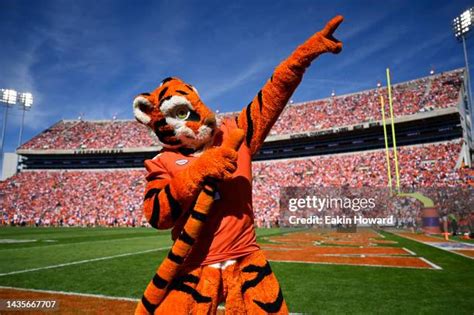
(409, 251)
(380, 235)
(430, 244)
(430, 263)
(73, 293)
(69, 244)
(358, 265)
(460, 254)
(83, 261)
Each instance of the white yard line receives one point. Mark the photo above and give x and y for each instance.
(355, 265)
(430, 263)
(380, 235)
(69, 244)
(409, 251)
(83, 261)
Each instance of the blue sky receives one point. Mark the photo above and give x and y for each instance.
(93, 57)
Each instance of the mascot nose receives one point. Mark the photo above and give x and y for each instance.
(210, 121)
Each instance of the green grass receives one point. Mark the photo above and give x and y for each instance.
(312, 288)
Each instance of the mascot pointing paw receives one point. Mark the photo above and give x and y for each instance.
(200, 185)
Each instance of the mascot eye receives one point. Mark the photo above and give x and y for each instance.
(182, 113)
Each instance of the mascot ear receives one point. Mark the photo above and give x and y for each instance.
(142, 108)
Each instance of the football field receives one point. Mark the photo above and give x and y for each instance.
(322, 272)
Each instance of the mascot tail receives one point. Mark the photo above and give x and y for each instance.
(167, 271)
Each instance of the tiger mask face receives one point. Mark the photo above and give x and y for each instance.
(175, 112)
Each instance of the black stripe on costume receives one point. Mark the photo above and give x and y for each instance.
(155, 215)
(175, 258)
(174, 205)
(249, 124)
(150, 193)
(163, 92)
(260, 100)
(179, 285)
(208, 192)
(198, 216)
(262, 272)
(190, 87)
(209, 187)
(166, 80)
(182, 92)
(149, 307)
(145, 94)
(198, 297)
(159, 282)
(185, 237)
(271, 307)
(271, 78)
(165, 99)
(187, 278)
(153, 178)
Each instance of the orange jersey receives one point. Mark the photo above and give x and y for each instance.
(229, 232)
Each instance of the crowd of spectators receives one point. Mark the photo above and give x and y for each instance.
(73, 198)
(83, 134)
(430, 165)
(114, 197)
(433, 92)
(426, 94)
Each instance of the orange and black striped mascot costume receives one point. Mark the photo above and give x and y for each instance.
(200, 185)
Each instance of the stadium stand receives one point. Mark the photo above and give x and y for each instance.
(99, 176)
(91, 197)
(80, 134)
(425, 94)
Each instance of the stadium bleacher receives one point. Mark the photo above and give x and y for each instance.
(425, 94)
(105, 196)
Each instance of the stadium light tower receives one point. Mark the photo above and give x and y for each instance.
(7, 98)
(462, 26)
(26, 101)
(10, 98)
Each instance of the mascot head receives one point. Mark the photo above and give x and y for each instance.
(177, 115)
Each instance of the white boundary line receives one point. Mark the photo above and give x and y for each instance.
(430, 263)
(454, 251)
(355, 265)
(429, 244)
(409, 251)
(378, 233)
(69, 244)
(83, 261)
(72, 293)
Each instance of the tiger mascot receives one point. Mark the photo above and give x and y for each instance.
(200, 185)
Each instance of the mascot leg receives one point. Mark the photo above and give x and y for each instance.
(252, 288)
(195, 292)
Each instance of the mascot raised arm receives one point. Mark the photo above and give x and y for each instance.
(200, 185)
